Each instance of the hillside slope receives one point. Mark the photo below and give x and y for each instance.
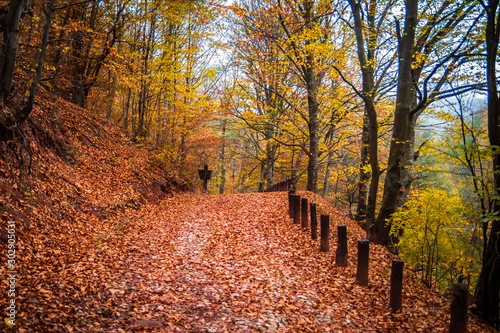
(85, 179)
(81, 164)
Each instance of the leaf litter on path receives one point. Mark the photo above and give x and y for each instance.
(226, 263)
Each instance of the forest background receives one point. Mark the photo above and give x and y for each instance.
(389, 109)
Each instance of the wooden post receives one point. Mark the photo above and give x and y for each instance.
(296, 209)
(341, 255)
(293, 206)
(325, 233)
(314, 221)
(396, 284)
(458, 320)
(305, 221)
(291, 193)
(363, 260)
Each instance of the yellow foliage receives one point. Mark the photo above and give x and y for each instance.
(437, 237)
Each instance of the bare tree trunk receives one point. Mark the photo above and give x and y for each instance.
(487, 294)
(380, 230)
(25, 112)
(223, 159)
(408, 170)
(270, 150)
(262, 182)
(313, 165)
(181, 155)
(312, 80)
(326, 183)
(127, 109)
(142, 110)
(364, 175)
(111, 94)
(9, 47)
(295, 171)
(82, 55)
(144, 86)
(373, 157)
(366, 61)
(336, 191)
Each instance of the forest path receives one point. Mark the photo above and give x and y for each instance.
(228, 263)
(229, 267)
(236, 263)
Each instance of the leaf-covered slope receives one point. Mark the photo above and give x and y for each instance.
(83, 174)
(81, 163)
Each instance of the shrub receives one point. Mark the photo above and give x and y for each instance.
(437, 238)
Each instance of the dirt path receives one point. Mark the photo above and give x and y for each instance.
(229, 269)
(225, 263)
(231, 263)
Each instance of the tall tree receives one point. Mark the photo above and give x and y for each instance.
(398, 142)
(10, 16)
(368, 38)
(308, 64)
(49, 11)
(430, 50)
(487, 294)
(300, 32)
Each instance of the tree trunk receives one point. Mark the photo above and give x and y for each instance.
(373, 158)
(270, 153)
(142, 110)
(306, 64)
(408, 169)
(223, 159)
(487, 294)
(111, 94)
(25, 112)
(366, 61)
(9, 46)
(380, 230)
(82, 57)
(312, 81)
(326, 183)
(295, 170)
(262, 182)
(336, 191)
(144, 87)
(181, 155)
(364, 175)
(313, 165)
(127, 109)
(429, 36)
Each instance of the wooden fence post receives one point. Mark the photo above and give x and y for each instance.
(341, 255)
(458, 320)
(291, 193)
(363, 260)
(314, 221)
(305, 221)
(296, 209)
(324, 245)
(396, 284)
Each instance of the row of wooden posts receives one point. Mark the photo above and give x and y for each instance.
(285, 185)
(298, 210)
